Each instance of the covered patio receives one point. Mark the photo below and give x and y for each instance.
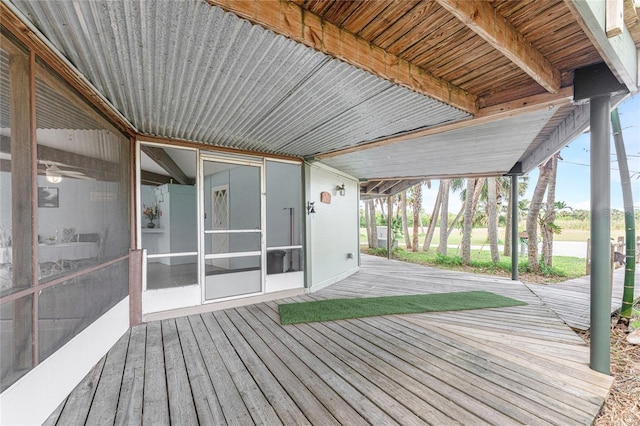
(519, 365)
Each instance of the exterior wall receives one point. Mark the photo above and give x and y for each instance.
(33, 398)
(332, 231)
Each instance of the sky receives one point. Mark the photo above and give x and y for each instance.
(573, 170)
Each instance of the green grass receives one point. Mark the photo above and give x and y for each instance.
(564, 267)
(336, 309)
(480, 235)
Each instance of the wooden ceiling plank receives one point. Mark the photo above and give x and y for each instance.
(364, 14)
(485, 21)
(484, 115)
(387, 18)
(402, 26)
(164, 160)
(340, 11)
(292, 21)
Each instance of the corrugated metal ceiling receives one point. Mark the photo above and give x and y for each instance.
(186, 70)
(455, 153)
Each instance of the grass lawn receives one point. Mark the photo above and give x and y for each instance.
(480, 235)
(564, 267)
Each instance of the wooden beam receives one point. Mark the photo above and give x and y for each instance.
(291, 20)
(620, 53)
(153, 178)
(614, 21)
(165, 161)
(484, 115)
(92, 167)
(371, 186)
(485, 21)
(23, 218)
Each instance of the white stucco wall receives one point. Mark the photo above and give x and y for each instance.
(332, 231)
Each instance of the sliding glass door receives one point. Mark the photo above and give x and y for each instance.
(232, 237)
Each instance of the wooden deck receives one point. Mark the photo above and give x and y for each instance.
(571, 299)
(518, 365)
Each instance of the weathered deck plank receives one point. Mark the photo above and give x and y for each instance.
(181, 405)
(571, 299)
(155, 399)
(105, 401)
(517, 365)
(131, 391)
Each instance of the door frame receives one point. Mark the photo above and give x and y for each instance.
(240, 161)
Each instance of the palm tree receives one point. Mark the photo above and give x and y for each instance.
(444, 216)
(492, 219)
(548, 227)
(416, 198)
(523, 183)
(456, 185)
(405, 224)
(426, 245)
(534, 212)
(465, 246)
(373, 227)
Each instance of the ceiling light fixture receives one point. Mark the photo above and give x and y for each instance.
(53, 173)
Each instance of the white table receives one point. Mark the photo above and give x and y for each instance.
(67, 251)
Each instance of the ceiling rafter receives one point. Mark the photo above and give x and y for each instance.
(488, 23)
(164, 160)
(293, 21)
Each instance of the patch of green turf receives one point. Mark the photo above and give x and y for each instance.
(336, 309)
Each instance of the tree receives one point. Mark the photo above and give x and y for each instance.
(416, 198)
(534, 212)
(426, 245)
(373, 226)
(547, 224)
(444, 216)
(465, 246)
(405, 224)
(492, 219)
(523, 183)
(629, 220)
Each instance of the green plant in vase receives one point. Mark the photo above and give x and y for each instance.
(151, 213)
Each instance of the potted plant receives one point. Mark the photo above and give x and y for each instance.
(151, 213)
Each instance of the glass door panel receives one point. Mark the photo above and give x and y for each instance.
(232, 231)
(168, 216)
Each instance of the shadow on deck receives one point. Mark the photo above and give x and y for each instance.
(518, 365)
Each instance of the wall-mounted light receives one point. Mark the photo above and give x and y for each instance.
(311, 207)
(53, 174)
(341, 190)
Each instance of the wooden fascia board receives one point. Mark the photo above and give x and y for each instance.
(484, 20)
(291, 20)
(619, 53)
(181, 143)
(484, 115)
(164, 160)
(33, 39)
